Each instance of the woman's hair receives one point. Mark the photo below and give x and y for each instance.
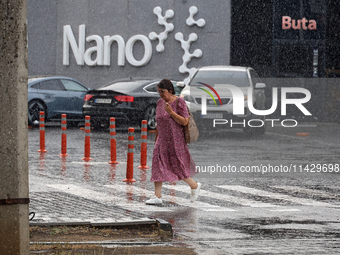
(166, 84)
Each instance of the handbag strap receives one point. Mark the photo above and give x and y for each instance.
(177, 100)
(188, 112)
(177, 106)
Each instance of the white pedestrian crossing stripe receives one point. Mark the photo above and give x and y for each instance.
(132, 197)
(175, 199)
(285, 210)
(310, 192)
(262, 193)
(221, 196)
(103, 197)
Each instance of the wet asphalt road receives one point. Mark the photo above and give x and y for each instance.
(278, 193)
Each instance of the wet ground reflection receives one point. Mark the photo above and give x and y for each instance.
(129, 192)
(183, 220)
(142, 180)
(63, 166)
(42, 162)
(172, 193)
(113, 168)
(87, 168)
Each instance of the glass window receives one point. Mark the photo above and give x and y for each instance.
(152, 88)
(125, 86)
(254, 77)
(73, 86)
(177, 89)
(50, 85)
(294, 59)
(35, 86)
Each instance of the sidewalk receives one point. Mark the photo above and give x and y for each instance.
(60, 209)
(57, 208)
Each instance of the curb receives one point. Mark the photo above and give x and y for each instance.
(107, 243)
(164, 227)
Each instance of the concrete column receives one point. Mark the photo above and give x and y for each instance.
(14, 227)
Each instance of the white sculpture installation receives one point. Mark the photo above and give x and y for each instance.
(190, 21)
(186, 44)
(162, 20)
(187, 55)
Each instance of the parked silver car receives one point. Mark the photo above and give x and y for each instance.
(213, 91)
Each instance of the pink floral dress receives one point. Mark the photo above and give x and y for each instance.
(171, 158)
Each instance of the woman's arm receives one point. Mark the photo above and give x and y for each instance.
(178, 118)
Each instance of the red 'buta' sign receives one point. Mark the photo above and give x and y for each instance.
(288, 23)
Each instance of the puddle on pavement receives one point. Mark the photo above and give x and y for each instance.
(184, 219)
(276, 228)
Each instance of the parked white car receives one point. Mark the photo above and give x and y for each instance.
(216, 110)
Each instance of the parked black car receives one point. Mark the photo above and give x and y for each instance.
(129, 100)
(55, 96)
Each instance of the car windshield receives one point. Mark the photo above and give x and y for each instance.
(124, 86)
(237, 78)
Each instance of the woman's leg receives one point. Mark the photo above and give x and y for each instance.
(195, 188)
(158, 193)
(158, 189)
(191, 182)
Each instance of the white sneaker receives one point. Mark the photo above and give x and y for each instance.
(195, 192)
(154, 201)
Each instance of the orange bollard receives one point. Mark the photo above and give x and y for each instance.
(87, 150)
(144, 146)
(63, 136)
(113, 149)
(129, 167)
(42, 132)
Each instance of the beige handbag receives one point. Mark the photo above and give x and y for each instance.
(191, 132)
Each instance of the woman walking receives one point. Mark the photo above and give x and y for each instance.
(171, 158)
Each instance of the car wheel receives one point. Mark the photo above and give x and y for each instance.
(34, 109)
(150, 117)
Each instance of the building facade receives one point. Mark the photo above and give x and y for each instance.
(98, 41)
